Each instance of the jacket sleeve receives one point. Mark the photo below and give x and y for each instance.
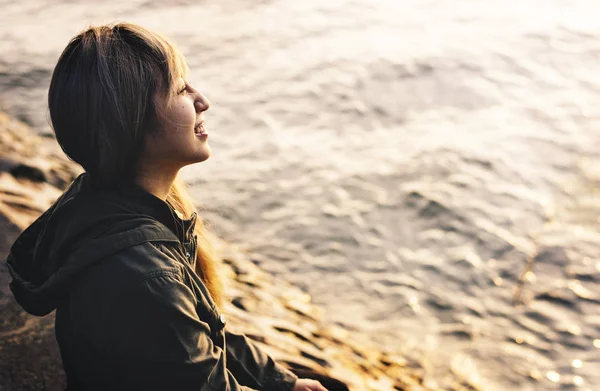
(157, 342)
(253, 367)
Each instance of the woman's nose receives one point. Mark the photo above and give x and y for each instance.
(202, 103)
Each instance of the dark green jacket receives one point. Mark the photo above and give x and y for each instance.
(131, 314)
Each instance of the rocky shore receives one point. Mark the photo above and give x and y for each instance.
(280, 317)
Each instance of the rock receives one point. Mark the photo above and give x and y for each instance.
(7, 164)
(28, 172)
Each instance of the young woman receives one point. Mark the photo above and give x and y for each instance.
(121, 255)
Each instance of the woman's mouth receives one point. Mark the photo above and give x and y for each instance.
(199, 130)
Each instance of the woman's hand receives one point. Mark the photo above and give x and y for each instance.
(308, 385)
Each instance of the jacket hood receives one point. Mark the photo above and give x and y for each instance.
(82, 227)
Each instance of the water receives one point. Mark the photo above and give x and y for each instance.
(427, 170)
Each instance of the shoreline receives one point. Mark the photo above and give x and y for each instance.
(33, 174)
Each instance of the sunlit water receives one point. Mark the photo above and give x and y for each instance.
(404, 161)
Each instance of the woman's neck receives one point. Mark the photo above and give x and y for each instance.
(156, 181)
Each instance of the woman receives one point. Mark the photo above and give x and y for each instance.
(121, 255)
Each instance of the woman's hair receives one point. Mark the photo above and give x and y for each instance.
(207, 266)
(102, 107)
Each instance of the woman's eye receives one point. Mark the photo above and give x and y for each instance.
(183, 90)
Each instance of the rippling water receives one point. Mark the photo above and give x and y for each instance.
(427, 170)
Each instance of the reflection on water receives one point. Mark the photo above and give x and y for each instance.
(428, 171)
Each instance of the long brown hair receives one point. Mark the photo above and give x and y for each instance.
(101, 109)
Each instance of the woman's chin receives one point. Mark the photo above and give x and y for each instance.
(205, 154)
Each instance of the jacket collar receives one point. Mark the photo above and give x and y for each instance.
(143, 202)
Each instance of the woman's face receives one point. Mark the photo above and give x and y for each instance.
(181, 138)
